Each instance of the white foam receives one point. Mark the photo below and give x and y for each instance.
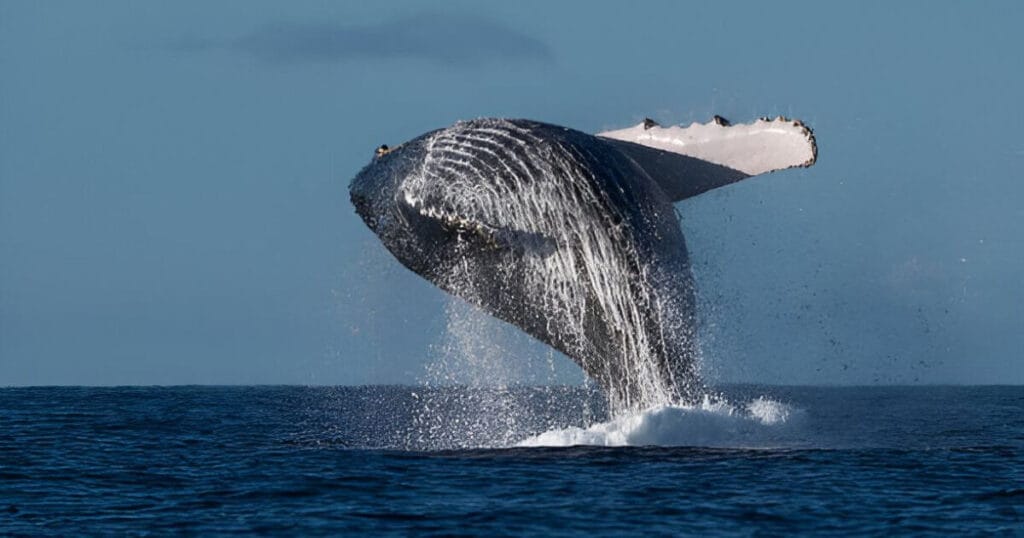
(760, 423)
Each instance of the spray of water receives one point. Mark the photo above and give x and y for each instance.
(473, 405)
(483, 387)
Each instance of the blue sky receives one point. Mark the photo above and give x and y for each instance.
(173, 203)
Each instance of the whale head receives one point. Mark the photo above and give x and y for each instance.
(402, 200)
(380, 200)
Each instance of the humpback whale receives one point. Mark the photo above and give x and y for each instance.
(569, 236)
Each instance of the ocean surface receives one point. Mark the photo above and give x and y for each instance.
(521, 461)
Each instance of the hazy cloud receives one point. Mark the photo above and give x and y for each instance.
(438, 37)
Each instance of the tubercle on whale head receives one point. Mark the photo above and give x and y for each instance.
(376, 190)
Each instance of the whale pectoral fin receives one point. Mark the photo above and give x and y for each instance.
(679, 176)
(687, 161)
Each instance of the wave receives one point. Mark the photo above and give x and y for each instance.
(760, 423)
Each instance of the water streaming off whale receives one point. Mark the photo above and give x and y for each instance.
(542, 204)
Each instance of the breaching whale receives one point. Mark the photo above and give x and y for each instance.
(569, 236)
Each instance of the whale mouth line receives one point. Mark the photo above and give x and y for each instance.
(453, 222)
(468, 229)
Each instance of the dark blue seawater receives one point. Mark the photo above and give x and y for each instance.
(398, 460)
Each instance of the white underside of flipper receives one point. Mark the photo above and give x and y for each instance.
(752, 148)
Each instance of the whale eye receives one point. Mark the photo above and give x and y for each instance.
(383, 150)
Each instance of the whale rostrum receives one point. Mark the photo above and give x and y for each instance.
(569, 236)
